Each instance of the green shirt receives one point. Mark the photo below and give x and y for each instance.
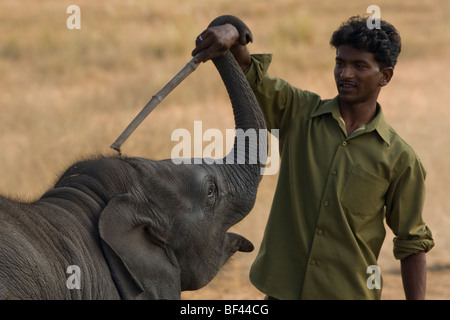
(325, 228)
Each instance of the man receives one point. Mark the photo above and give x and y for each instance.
(343, 170)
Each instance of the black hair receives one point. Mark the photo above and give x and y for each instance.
(383, 41)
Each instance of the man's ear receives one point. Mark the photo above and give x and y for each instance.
(142, 265)
(387, 74)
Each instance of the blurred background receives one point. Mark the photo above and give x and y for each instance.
(68, 94)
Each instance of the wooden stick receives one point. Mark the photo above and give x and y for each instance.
(155, 100)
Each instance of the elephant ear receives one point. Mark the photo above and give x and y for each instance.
(141, 264)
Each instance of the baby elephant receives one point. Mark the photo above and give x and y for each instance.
(133, 228)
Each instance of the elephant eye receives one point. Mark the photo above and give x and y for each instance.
(211, 190)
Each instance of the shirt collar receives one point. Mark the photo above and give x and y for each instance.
(378, 123)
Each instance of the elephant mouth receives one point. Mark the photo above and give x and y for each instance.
(239, 243)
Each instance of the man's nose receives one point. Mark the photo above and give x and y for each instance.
(347, 72)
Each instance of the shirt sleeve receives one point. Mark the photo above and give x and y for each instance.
(280, 102)
(404, 212)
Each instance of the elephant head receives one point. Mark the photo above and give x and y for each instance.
(169, 231)
(162, 227)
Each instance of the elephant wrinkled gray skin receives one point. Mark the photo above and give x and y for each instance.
(136, 228)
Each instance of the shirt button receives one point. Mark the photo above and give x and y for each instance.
(333, 173)
(326, 203)
(312, 261)
(319, 232)
(344, 143)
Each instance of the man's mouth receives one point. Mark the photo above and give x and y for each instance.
(345, 85)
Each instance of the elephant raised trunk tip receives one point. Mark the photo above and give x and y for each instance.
(245, 35)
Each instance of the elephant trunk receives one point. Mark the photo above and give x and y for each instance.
(250, 143)
(244, 164)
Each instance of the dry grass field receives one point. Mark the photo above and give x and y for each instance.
(67, 94)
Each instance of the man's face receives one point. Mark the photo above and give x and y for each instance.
(357, 75)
